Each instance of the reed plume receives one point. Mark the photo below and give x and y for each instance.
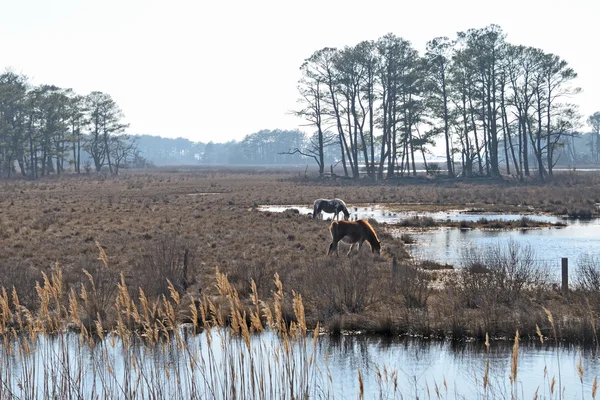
(515, 361)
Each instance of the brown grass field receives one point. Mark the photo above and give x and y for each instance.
(152, 224)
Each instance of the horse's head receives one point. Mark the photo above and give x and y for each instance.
(376, 247)
(346, 213)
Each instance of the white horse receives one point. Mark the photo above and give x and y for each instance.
(334, 207)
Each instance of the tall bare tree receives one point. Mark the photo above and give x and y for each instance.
(105, 124)
(312, 94)
(438, 58)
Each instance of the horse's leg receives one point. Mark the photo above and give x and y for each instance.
(350, 249)
(360, 242)
(333, 246)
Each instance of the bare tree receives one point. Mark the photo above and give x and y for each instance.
(105, 125)
(123, 150)
(316, 148)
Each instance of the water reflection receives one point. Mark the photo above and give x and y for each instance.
(457, 368)
(578, 239)
(386, 215)
(391, 367)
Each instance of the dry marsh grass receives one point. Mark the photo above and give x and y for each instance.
(105, 259)
(148, 224)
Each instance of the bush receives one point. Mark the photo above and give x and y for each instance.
(412, 284)
(588, 273)
(433, 170)
(22, 278)
(342, 285)
(417, 221)
(242, 272)
(500, 273)
(169, 257)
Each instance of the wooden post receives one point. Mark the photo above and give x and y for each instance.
(565, 275)
(394, 268)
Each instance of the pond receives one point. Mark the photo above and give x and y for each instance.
(223, 366)
(451, 246)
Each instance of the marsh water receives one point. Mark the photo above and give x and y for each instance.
(576, 240)
(390, 367)
(423, 365)
(457, 369)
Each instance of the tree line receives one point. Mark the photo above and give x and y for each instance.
(263, 147)
(45, 128)
(494, 106)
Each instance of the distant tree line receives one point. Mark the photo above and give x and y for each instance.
(50, 130)
(494, 105)
(262, 147)
(44, 129)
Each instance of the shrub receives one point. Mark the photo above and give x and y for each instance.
(45, 221)
(433, 265)
(588, 273)
(411, 283)
(170, 257)
(434, 170)
(417, 221)
(100, 283)
(526, 222)
(407, 239)
(242, 272)
(343, 285)
(500, 273)
(22, 278)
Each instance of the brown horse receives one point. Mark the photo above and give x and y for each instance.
(353, 232)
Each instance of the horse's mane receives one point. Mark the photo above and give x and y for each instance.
(344, 207)
(370, 231)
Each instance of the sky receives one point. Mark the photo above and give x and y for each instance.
(220, 70)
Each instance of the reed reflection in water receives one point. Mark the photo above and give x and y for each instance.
(223, 365)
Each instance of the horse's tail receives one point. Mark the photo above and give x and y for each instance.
(333, 229)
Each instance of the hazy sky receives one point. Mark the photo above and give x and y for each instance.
(219, 70)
